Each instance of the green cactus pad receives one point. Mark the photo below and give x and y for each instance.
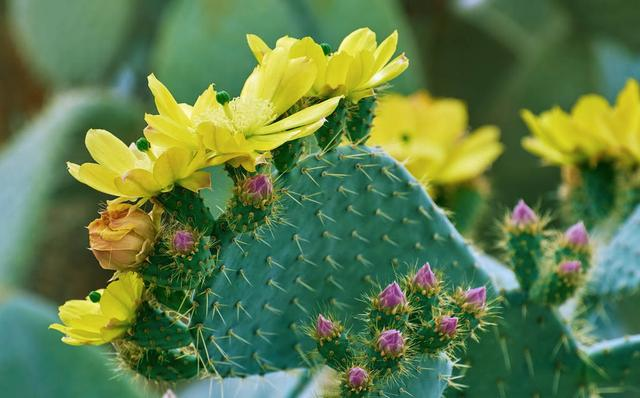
(616, 365)
(359, 120)
(181, 272)
(188, 208)
(618, 267)
(165, 365)
(593, 198)
(286, 156)
(352, 218)
(336, 351)
(330, 134)
(530, 353)
(154, 328)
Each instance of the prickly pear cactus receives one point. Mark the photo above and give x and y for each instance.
(534, 350)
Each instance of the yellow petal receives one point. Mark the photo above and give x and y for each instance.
(385, 51)
(306, 116)
(196, 181)
(389, 72)
(295, 83)
(138, 183)
(546, 152)
(474, 155)
(109, 151)
(165, 102)
(258, 47)
(205, 103)
(360, 70)
(96, 176)
(165, 125)
(358, 40)
(337, 69)
(171, 166)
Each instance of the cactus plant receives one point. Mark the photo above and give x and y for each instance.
(535, 350)
(200, 295)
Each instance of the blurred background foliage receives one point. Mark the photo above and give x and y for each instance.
(74, 64)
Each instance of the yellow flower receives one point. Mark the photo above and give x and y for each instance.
(592, 131)
(358, 66)
(129, 173)
(430, 134)
(176, 125)
(104, 315)
(244, 129)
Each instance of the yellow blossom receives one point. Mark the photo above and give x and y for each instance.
(129, 173)
(104, 315)
(243, 130)
(594, 130)
(430, 136)
(358, 66)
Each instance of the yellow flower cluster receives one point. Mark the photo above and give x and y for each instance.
(430, 135)
(182, 139)
(593, 131)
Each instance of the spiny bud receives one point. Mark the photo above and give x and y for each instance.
(392, 296)
(447, 325)
(569, 267)
(183, 242)
(257, 189)
(391, 342)
(425, 278)
(476, 298)
(324, 327)
(577, 235)
(523, 215)
(357, 378)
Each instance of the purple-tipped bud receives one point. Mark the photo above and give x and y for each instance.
(392, 296)
(577, 235)
(258, 188)
(391, 342)
(523, 215)
(477, 297)
(324, 327)
(569, 267)
(183, 241)
(357, 377)
(425, 278)
(448, 325)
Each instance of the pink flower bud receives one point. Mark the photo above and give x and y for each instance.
(477, 297)
(523, 215)
(183, 242)
(448, 325)
(324, 327)
(258, 188)
(569, 267)
(392, 296)
(425, 278)
(391, 342)
(577, 235)
(357, 377)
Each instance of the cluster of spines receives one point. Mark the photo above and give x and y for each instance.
(417, 316)
(549, 266)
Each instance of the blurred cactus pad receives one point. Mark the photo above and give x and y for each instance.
(295, 215)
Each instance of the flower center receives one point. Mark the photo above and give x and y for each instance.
(246, 115)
